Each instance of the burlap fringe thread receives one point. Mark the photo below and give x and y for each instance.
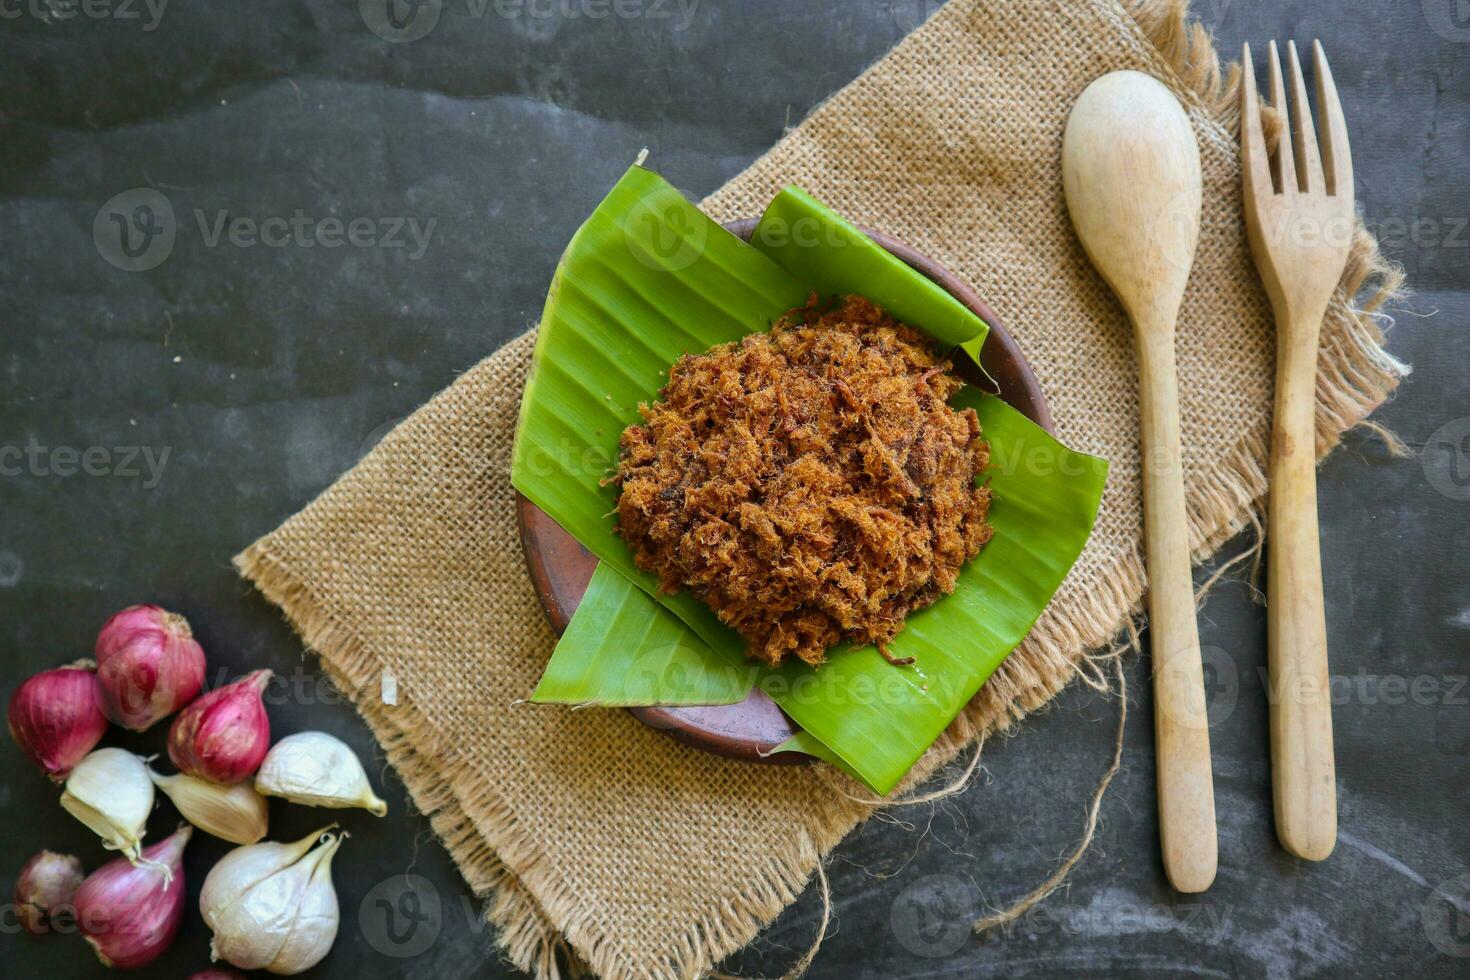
(527, 937)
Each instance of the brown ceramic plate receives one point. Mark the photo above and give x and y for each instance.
(561, 568)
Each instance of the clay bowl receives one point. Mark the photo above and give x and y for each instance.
(561, 568)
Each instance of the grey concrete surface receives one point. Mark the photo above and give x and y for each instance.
(224, 388)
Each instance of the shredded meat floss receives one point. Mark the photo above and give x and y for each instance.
(811, 484)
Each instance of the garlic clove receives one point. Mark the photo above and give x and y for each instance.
(250, 932)
(111, 793)
(244, 867)
(317, 769)
(235, 813)
(314, 928)
(267, 904)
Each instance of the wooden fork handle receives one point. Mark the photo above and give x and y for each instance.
(1303, 771)
(1181, 729)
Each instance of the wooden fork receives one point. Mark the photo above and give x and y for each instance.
(1300, 219)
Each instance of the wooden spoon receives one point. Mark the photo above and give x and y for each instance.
(1131, 170)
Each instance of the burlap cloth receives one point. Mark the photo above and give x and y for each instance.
(651, 859)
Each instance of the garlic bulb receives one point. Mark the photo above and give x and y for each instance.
(234, 813)
(317, 769)
(111, 793)
(272, 906)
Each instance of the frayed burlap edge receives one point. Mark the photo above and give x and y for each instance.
(409, 744)
(448, 791)
(1357, 375)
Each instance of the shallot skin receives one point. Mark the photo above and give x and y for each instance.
(148, 666)
(223, 736)
(55, 718)
(131, 914)
(46, 886)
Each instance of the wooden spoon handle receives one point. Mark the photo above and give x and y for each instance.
(1181, 729)
(1302, 767)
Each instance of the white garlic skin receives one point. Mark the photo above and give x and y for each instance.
(317, 917)
(272, 906)
(235, 813)
(244, 867)
(317, 769)
(111, 793)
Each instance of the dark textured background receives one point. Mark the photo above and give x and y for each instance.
(264, 372)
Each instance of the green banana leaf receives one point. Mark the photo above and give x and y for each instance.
(833, 257)
(650, 277)
(624, 651)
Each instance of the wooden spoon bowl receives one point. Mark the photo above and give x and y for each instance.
(561, 567)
